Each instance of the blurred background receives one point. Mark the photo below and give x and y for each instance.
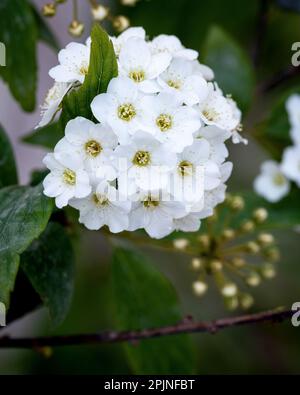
(265, 37)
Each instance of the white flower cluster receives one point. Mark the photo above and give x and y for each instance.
(274, 181)
(156, 159)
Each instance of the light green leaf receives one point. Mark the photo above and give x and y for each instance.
(44, 32)
(19, 34)
(24, 214)
(8, 171)
(144, 298)
(231, 64)
(47, 136)
(49, 265)
(103, 67)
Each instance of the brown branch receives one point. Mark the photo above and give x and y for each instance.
(186, 326)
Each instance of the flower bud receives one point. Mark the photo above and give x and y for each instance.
(253, 279)
(272, 254)
(99, 12)
(49, 9)
(247, 226)
(121, 23)
(181, 244)
(231, 303)
(229, 290)
(129, 3)
(199, 288)
(204, 241)
(228, 234)
(268, 271)
(265, 239)
(237, 203)
(216, 265)
(76, 28)
(196, 263)
(260, 215)
(252, 247)
(238, 262)
(246, 301)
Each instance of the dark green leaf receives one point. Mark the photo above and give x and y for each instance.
(231, 65)
(144, 298)
(19, 34)
(274, 133)
(44, 32)
(37, 176)
(8, 171)
(24, 214)
(47, 136)
(103, 67)
(49, 265)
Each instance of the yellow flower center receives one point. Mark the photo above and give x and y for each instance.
(164, 122)
(210, 114)
(150, 202)
(141, 158)
(100, 200)
(93, 148)
(126, 112)
(84, 70)
(278, 179)
(174, 84)
(69, 177)
(137, 75)
(185, 168)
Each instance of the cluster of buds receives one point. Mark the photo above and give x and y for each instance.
(99, 13)
(235, 253)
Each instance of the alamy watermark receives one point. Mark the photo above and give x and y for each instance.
(296, 315)
(2, 314)
(296, 55)
(2, 55)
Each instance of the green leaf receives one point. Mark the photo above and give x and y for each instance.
(232, 66)
(49, 265)
(103, 67)
(274, 133)
(8, 171)
(24, 214)
(19, 34)
(44, 32)
(47, 136)
(144, 298)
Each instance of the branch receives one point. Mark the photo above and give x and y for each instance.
(280, 78)
(186, 326)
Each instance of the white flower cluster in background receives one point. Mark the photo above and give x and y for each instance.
(156, 159)
(273, 183)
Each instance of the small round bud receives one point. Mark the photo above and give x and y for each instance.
(268, 271)
(265, 239)
(129, 3)
(204, 240)
(49, 9)
(228, 234)
(181, 244)
(231, 303)
(253, 279)
(199, 288)
(196, 263)
(99, 12)
(260, 215)
(272, 254)
(229, 290)
(252, 247)
(238, 262)
(76, 28)
(216, 265)
(246, 301)
(237, 203)
(247, 226)
(121, 23)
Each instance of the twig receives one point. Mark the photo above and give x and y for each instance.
(279, 79)
(186, 326)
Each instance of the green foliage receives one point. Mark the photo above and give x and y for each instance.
(44, 32)
(24, 214)
(103, 67)
(47, 136)
(144, 298)
(232, 66)
(49, 265)
(19, 34)
(8, 171)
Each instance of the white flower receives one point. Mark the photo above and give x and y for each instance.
(67, 178)
(104, 206)
(94, 143)
(145, 163)
(74, 64)
(188, 223)
(271, 183)
(137, 63)
(291, 164)
(131, 32)
(216, 138)
(172, 45)
(52, 102)
(293, 109)
(171, 123)
(119, 108)
(218, 110)
(204, 70)
(237, 115)
(180, 79)
(155, 213)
